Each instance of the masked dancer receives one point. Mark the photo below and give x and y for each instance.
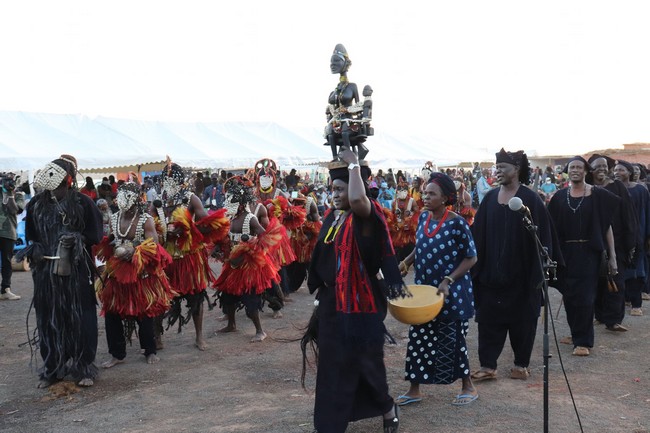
(303, 240)
(61, 226)
(463, 206)
(250, 267)
(404, 220)
(187, 233)
(273, 203)
(134, 286)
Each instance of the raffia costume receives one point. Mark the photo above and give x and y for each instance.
(135, 290)
(138, 287)
(277, 207)
(188, 242)
(65, 304)
(403, 222)
(250, 262)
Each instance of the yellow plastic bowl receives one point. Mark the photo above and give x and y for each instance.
(422, 307)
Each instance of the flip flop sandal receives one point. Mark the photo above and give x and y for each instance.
(464, 399)
(519, 373)
(403, 400)
(481, 375)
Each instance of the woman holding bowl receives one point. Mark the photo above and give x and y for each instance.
(443, 255)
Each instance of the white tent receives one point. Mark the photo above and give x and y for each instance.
(30, 140)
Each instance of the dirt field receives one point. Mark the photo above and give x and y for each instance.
(236, 386)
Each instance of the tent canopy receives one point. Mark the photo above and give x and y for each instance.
(29, 140)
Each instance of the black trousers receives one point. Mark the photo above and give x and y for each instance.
(117, 341)
(492, 338)
(610, 306)
(578, 282)
(6, 253)
(633, 289)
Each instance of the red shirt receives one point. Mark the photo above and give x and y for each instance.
(89, 192)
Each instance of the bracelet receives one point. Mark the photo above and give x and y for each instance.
(448, 278)
(405, 264)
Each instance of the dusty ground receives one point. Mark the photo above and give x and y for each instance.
(236, 386)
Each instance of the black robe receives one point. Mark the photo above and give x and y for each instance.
(624, 224)
(507, 277)
(66, 315)
(604, 206)
(610, 305)
(351, 378)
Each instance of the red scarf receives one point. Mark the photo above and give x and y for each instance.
(354, 292)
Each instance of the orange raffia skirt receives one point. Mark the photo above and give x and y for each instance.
(138, 287)
(253, 266)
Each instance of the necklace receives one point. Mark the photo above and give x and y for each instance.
(329, 237)
(128, 229)
(343, 84)
(442, 220)
(568, 199)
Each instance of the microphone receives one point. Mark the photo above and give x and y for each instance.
(517, 205)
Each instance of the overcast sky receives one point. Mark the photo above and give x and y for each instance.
(548, 77)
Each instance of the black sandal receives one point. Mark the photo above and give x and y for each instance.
(392, 425)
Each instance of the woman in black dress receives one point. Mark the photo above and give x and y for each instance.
(348, 323)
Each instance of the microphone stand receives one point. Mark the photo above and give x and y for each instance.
(547, 266)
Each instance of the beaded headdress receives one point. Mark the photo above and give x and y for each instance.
(172, 181)
(54, 173)
(128, 195)
(173, 171)
(426, 170)
(265, 174)
(239, 189)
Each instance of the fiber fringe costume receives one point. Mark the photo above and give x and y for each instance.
(135, 290)
(292, 218)
(303, 241)
(66, 316)
(138, 287)
(189, 272)
(188, 242)
(463, 206)
(305, 235)
(403, 222)
(259, 268)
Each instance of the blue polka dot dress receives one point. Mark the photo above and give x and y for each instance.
(437, 350)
